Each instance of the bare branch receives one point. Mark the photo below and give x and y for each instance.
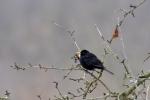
(124, 95)
(106, 87)
(71, 33)
(19, 67)
(130, 12)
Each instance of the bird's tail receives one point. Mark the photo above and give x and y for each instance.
(108, 71)
(103, 68)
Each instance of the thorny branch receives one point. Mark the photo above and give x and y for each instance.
(130, 12)
(110, 51)
(99, 81)
(6, 97)
(90, 85)
(124, 95)
(107, 43)
(20, 67)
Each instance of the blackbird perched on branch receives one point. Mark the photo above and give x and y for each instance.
(89, 61)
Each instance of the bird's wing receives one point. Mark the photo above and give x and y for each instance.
(93, 60)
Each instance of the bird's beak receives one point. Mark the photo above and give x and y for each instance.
(77, 54)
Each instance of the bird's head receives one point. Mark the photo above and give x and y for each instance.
(84, 52)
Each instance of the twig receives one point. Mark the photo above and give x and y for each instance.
(99, 32)
(71, 69)
(131, 11)
(146, 75)
(126, 68)
(147, 92)
(147, 57)
(71, 33)
(7, 93)
(78, 80)
(19, 67)
(56, 86)
(90, 84)
(99, 81)
(121, 39)
(73, 95)
(107, 44)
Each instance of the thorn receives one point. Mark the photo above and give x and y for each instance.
(132, 14)
(39, 96)
(56, 84)
(122, 61)
(132, 6)
(7, 93)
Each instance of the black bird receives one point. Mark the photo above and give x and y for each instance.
(90, 62)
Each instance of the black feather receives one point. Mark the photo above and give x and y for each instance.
(89, 61)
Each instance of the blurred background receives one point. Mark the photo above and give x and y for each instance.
(27, 35)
